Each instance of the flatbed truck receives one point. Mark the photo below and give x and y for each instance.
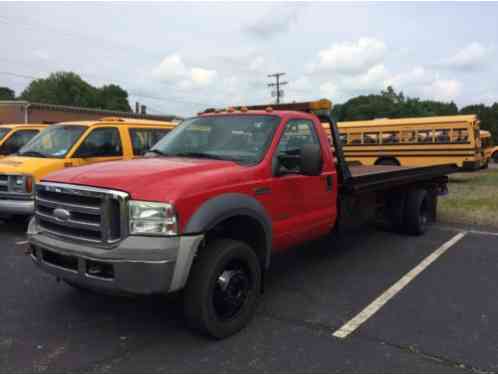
(214, 199)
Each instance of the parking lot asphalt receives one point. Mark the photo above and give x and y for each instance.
(443, 321)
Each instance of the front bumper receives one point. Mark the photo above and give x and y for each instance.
(137, 265)
(17, 207)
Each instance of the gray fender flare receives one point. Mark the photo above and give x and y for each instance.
(215, 210)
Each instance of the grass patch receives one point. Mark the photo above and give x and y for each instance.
(472, 199)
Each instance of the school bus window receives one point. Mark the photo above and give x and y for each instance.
(408, 136)
(354, 138)
(371, 138)
(390, 137)
(460, 135)
(425, 136)
(442, 136)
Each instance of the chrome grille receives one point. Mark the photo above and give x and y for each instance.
(81, 213)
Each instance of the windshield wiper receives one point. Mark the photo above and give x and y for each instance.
(33, 153)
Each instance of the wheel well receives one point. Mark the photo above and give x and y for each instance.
(387, 158)
(245, 229)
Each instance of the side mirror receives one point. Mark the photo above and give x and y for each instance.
(311, 160)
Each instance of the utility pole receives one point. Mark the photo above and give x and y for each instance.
(277, 93)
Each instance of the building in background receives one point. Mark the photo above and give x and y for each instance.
(16, 112)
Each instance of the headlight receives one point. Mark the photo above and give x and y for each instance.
(21, 184)
(152, 218)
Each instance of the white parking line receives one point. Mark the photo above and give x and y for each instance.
(482, 232)
(376, 305)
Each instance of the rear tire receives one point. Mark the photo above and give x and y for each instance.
(395, 209)
(223, 289)
(419, 212)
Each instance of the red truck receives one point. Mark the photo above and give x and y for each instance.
(204, 212)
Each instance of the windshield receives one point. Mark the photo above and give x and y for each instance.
(238, 138)
(53, 142)
(3, 132)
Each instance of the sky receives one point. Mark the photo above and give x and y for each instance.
(180, 58)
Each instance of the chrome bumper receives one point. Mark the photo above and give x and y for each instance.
(137, 265)
(17, 207)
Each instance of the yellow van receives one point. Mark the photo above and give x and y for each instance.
(72, 144)
(14, 136)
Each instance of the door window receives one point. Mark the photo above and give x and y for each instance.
(297, 133)
(143, 139)
(17, 140)
(103, 142)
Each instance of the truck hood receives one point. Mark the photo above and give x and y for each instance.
(154, 179)
(37, 167)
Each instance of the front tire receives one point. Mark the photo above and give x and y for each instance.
(223, 289)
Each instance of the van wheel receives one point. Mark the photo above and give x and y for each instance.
(418, 212)
(223, 288)
(387, 162)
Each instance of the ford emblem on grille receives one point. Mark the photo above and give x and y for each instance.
(62, 214)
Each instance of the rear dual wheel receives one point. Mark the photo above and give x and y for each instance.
(418, 212)
(411, 212)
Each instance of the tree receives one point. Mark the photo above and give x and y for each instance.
(7, 94)
(113, 96)
(67, 88)
(488, 117)
(392, 105)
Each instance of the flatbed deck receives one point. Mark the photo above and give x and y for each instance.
(382, 177)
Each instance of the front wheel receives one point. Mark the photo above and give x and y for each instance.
(223, 288)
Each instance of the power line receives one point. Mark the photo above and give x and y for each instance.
(278, 93)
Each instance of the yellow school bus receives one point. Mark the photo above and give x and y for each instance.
(487, 147)
(414, 141)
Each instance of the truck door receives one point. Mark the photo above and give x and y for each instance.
(305, 207)
(101, 144)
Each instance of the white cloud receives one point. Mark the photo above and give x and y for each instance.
(202, 77)
(417, 76)
(170, 68)
(41, 54)
(443, 89)
(277, 21)
(173, 69)
(257, 63)
(350, 57)
(470, 57)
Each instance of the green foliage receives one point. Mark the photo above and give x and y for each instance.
(67, 88)
(7, 94)
(390, 104)
(487, 115)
